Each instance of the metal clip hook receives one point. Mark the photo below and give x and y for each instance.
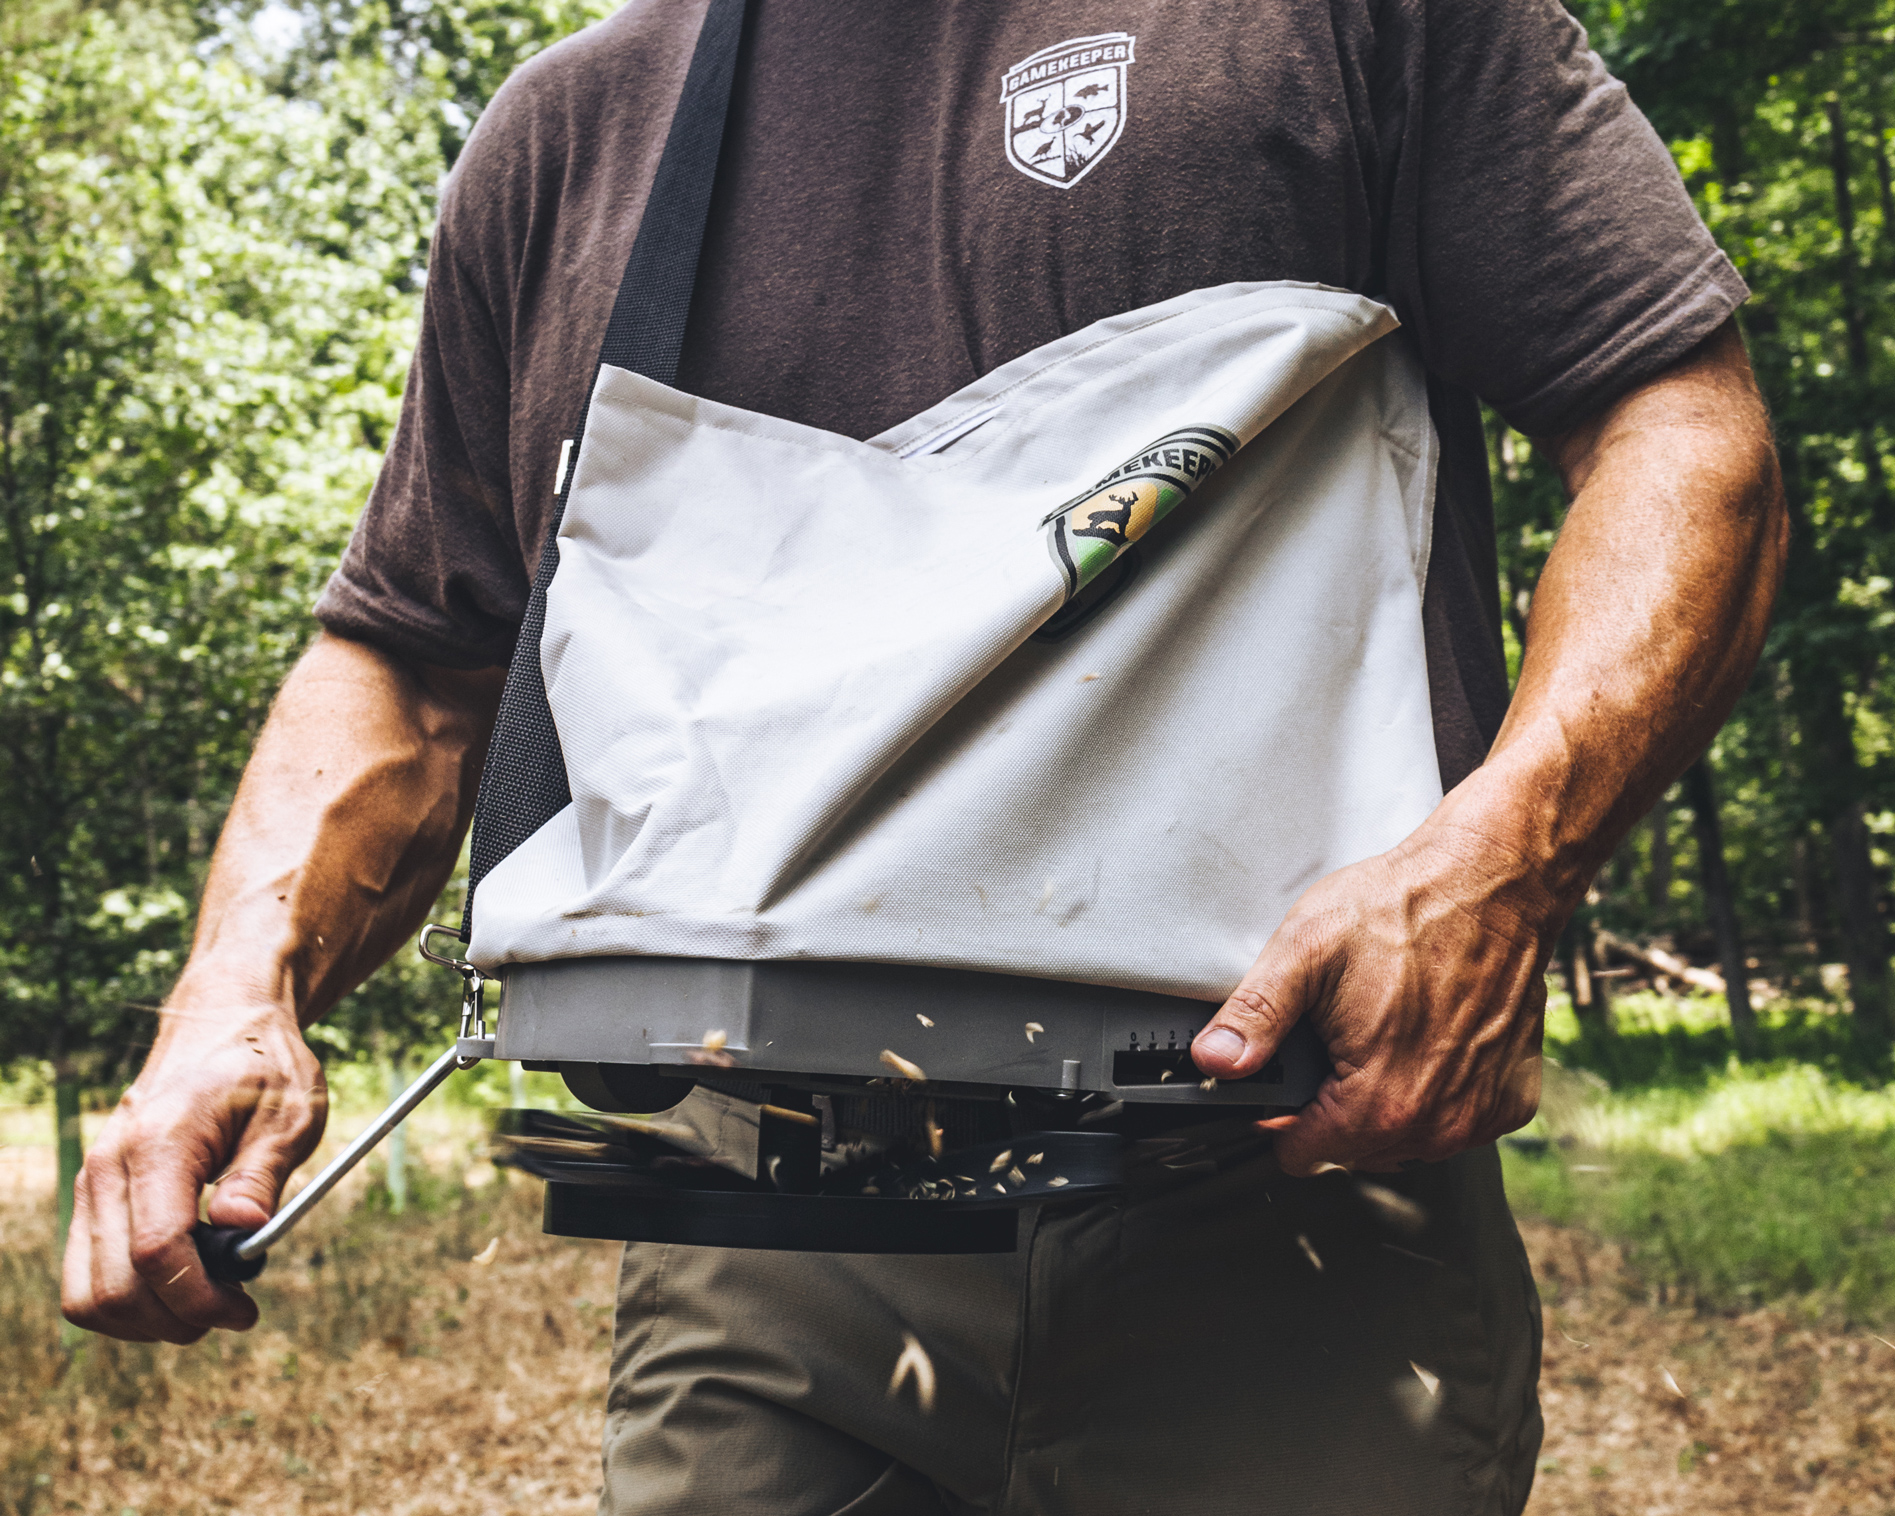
(473, 1044)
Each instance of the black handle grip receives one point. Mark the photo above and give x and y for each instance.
(217, 1246)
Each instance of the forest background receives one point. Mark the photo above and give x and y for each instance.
(214, 223)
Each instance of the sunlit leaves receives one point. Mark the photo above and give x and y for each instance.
(207, 297)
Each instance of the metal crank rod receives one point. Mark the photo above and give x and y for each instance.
(234, 1255)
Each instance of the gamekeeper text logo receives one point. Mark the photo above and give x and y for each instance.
(1065, 106)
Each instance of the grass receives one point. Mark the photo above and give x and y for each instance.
(1730, 1183)
(390, 1373)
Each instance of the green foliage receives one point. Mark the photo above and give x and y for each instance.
(1732, 1183)
(451, 53)
(205, 310)
(1779, 118)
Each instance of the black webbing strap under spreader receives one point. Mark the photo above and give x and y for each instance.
(524, 784)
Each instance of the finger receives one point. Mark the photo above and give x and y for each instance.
(77, 1301)
(126, 1306)
(1285, 981)
(282, 1132)
(163, 1183)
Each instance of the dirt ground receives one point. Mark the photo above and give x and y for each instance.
(1655, 1409)
(426, 1384)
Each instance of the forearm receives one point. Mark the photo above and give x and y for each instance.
(344, 829)
(1646, 623)
(1423, 968)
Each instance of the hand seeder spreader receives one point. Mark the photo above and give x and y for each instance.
(824, 1107)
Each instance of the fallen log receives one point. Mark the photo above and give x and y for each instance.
(1661, 962)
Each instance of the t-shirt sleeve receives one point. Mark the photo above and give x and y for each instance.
(1542, 245)
(434, 570)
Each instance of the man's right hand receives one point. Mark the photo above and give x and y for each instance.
(228, 1090)
(344, 830)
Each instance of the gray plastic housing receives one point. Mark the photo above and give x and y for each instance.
(808, 1022)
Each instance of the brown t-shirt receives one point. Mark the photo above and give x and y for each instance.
(911, 195)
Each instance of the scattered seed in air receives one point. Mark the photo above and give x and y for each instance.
(486, 1255)
(923, 1019)
(915, 1364)
(1315, 1259)
(1058, 1181)
(902, 1066)
(1429, 1382)
(1001, 1162)
(1672, 1384)
(1031, 1028)
(714, 1041)
(1326, 1167)
(179, 1275)
(1016, 1176)
(1034, 1159)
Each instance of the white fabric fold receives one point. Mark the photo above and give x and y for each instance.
(804, 713)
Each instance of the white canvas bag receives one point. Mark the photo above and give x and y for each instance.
(805, 715)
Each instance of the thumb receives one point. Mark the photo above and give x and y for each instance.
(1285, 981)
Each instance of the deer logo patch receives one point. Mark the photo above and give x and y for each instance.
(1086, 534)
(1065, 106)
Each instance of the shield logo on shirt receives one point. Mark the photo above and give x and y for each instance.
(1065, 106)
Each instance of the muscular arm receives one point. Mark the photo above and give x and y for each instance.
(1423, 968)
(344, 829)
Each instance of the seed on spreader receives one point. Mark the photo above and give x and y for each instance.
(1034, 1159)
(1031, 1028)
(914, 1363)
(714, 1042)
(1016, 1176)
(1168, 1073)
(1058, 1180)
(903, 1066)
(1315, 1258)
(1000, 1189)
(1001, 1162)
(1207, 1084)
(923, 1019)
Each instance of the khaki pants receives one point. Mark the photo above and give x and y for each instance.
(1222, 1340)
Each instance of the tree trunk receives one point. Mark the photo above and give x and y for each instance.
(1588, 993)
(1658, 879)
(1720, 904)
(1884, 187)
(1854, 320)
(1865, 944)
(71, 1146)
(1864, 933)
(397, 1145)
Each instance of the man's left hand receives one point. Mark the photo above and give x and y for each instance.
(1421, 969)
(1422, 972)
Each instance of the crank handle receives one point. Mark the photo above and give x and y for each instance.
(236, 1255)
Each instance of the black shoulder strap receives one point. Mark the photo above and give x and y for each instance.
(524, 784)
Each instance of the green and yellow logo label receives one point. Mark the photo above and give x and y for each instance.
(1088, 533)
